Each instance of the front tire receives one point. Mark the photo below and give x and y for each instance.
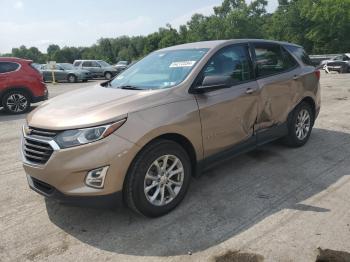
(158, 178)
(300, 125)
(108, 75)
(72, 79)
(16, 102)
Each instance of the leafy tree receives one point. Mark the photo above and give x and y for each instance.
(321, 26)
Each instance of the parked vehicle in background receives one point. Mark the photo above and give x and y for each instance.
(37, 66)
(340, 63)
(179, 110)
(98, 68)
(121, 66)
(21, 84)
(65, 72)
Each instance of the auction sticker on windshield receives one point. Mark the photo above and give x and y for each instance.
(182, 64)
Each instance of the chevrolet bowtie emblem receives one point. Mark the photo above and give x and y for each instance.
(27, 130)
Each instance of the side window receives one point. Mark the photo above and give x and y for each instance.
(272, 59)
(300, 53)
(87, 64)
(77, 63)
(230, 61)
(6, 67)
(338, 58)
(95, 64)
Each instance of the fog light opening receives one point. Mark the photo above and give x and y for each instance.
(96, 177)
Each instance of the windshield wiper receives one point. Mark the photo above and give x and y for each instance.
(129, 87)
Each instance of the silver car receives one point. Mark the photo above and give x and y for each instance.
(64, 72)
(98, 68)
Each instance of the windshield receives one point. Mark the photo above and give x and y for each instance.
(66, 66)
(103, 63)
(159, 70)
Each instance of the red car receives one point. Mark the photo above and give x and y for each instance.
(20, 85)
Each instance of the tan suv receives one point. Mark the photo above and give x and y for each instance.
(142, 135)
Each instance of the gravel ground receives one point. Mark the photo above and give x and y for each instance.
(272, 204)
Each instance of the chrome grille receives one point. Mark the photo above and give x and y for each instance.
(36, 145)
(43, 133)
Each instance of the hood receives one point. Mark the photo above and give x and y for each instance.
(91, 106)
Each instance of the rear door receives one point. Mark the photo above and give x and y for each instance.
(277, 75)
(87, 65)
(97, 68)
(7, 68)
(228, 115)
(3, 78)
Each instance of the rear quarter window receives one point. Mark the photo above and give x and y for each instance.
(300, 53)
(6, 67)
(272, 59)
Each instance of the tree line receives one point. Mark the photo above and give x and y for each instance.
(321, 26)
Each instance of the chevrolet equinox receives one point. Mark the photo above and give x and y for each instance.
(142, 135)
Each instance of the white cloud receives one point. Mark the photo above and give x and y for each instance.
(183, 19)
(65, 33)
(18, 5)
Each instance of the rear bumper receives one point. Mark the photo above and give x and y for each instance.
(37, 99)
(48, 191)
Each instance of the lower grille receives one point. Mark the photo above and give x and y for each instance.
(43, 187)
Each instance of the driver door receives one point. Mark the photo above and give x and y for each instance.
(228, 115)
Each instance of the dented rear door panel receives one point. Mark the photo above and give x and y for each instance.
(278, 95)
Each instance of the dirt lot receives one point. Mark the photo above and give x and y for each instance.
(273, 204)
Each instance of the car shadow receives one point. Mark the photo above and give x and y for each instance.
(222, 203)
(4, 116)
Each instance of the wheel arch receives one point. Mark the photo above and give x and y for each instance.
(17, 88)
(181, 140)
(72, 74)
(312, 103)
(309, 100)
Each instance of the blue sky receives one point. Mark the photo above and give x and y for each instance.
(80, 23)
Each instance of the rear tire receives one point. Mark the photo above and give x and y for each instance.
(158, 178)
(16, 102)
(300, 125)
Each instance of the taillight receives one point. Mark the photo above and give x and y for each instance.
(318, 74)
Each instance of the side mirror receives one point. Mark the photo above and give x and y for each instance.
(211, 83)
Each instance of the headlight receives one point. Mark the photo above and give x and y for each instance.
(78, 137)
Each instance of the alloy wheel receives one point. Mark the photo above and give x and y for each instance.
(303, 124)
(17, 103)
(163, 180)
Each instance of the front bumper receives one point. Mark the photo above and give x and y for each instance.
(66, 169)
(111, 200)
